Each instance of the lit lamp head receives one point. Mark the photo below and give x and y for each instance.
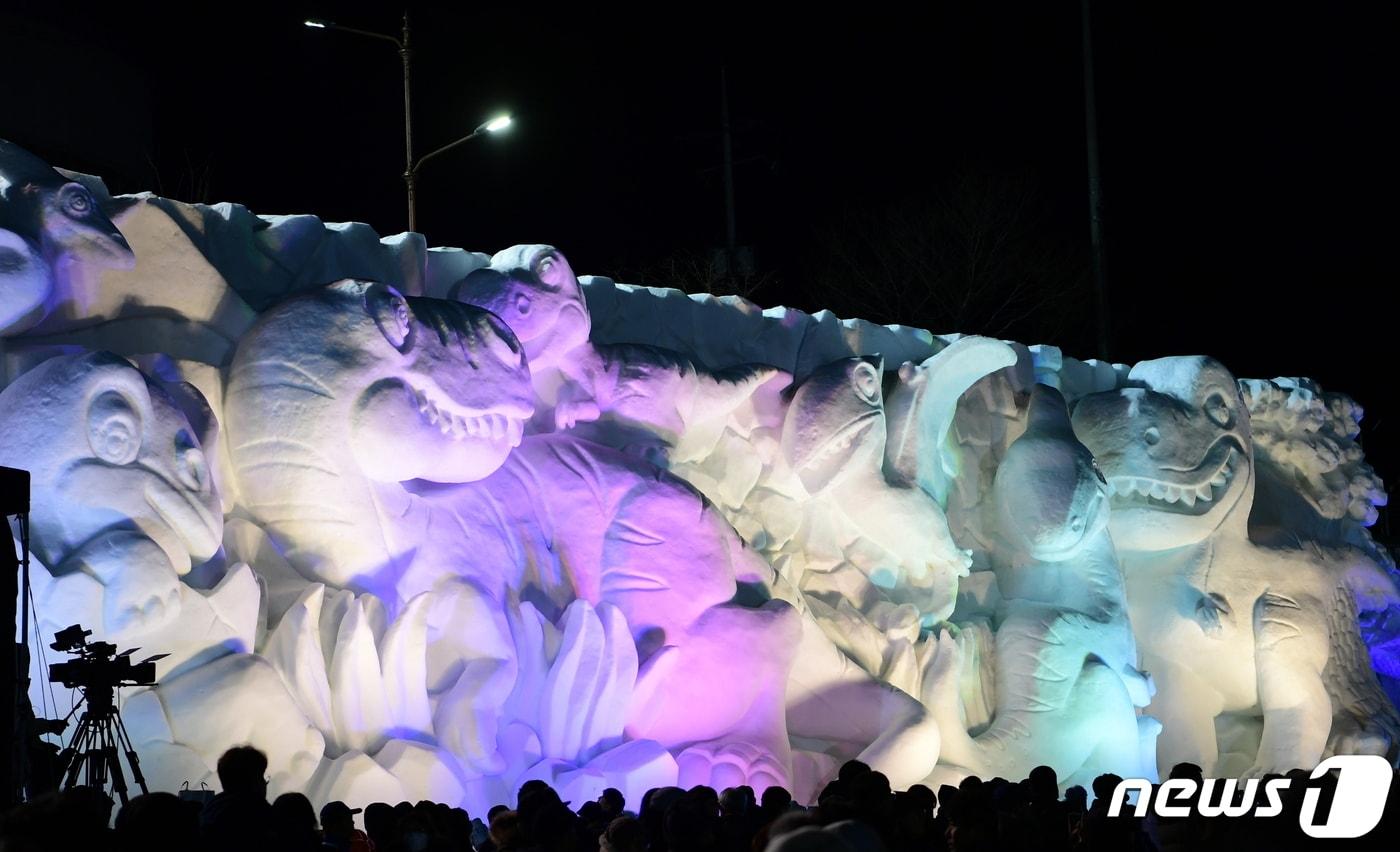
(316, 23)
(495, 125)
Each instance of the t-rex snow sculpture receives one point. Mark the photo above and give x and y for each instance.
(46, 222)
(338, 397)
(1067, 682)
(1226, 626)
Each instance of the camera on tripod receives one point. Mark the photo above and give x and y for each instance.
(99, 671)
(98, 665)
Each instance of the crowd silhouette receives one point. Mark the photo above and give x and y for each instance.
(856, 812)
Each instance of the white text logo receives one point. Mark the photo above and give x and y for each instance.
(1363, 782)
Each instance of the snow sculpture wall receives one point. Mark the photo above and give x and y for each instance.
(431, 523)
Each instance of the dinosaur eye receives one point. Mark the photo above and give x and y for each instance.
(114, 429)
(1098, 471)
(866, 381)
(1218, 410)
(77, 201)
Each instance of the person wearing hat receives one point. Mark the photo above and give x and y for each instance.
(338, 830)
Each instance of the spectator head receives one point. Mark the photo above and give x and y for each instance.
(613, 802)
(529, 788)
(505, 830)
(380, 822)
(294, 811)
(1104, 785)
(535, 797)
(733, 802)
(851, 770)
(243, 771)
(707, 796)
(1187, 770)
(623, 834)
(592, 812)
(921, 798)
(338, 820)
(776, 800)
(495, 809)
(1077, 798)
(1044, 785)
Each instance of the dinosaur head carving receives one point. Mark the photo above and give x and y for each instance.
(427, 389)
(836, 422)
(45, 219)
(336, 397)
(1175, 446)
(1050, 495)
(109, 450)
(57, 213)
(533, 289)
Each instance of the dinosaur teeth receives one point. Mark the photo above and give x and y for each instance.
(1204, 493)
(457, 426)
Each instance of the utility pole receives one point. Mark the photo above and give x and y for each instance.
(1091, 145)
(730, 241)
(408, 176)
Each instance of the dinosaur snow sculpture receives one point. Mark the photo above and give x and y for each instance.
(123, 503)
(1232, 629)
(442, 546)
(655, 398)
(46, 223)
(344, 405)
(834, 439)
(653, 401)
(1067, 682)
(532, 289)
(560, 519)
(339, 396)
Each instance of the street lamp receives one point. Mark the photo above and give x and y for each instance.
(410, 176)
(410, 172)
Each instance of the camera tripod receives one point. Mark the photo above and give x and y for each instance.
(98, 743)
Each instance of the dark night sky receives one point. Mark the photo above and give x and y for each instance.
(1248, 163)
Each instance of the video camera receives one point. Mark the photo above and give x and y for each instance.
(98, 665)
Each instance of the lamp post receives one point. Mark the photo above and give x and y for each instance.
(410, 170)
